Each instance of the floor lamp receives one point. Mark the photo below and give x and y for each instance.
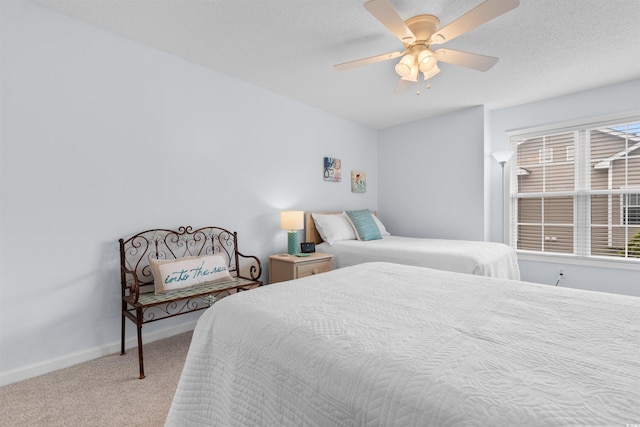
(502, 157)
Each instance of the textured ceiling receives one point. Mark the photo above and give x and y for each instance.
(546, 48)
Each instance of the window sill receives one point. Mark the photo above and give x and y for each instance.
(601, 262)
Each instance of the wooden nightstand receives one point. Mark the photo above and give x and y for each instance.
(289, 267)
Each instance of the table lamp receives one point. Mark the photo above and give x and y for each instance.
(292, 221)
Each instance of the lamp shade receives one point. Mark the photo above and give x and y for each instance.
(502, 156)
(427, 60)
(432, 72)
(291, 220)
(404, 67)
(413, 74)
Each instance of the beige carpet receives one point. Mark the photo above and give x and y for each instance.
(102, 392)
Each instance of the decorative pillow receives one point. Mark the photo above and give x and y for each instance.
(381, 227)
(333, 227)
(364, 225)
(174, 274)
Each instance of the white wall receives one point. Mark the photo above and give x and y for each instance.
(103, 137)
(618, 98)
(431, 176)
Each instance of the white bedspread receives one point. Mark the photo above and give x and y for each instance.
(480, 258)
(395, 345)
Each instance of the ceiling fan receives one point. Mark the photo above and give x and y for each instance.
(420, 32)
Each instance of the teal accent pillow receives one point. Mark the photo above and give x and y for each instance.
(364, 225)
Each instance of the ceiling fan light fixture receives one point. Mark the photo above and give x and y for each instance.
(432, 72)
(403, 68)
(427, 60)
(413, 75)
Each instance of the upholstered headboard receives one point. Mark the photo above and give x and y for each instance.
(310, 232)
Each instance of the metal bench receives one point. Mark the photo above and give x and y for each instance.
(141, 305)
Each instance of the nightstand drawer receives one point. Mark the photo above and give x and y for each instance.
(285, 267)
(311, 268)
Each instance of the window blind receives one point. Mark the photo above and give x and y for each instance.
(577, 191)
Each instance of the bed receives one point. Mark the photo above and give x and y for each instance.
(472, 257)
(398, 345)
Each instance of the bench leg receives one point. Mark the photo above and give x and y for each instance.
(140, 358)
(124, 307)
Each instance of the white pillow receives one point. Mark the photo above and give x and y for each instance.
(381, 226)
(175, 274)
(334, 227)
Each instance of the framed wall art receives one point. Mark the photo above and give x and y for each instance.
(358, 182)
(332, 169)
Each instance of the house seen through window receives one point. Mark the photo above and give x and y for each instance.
(631, 209)
(577, 191)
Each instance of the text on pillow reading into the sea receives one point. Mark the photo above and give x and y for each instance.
(179, 276)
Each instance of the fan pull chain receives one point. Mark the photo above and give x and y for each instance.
(418, 86)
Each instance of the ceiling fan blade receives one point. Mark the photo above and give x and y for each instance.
(387, 15)
(477, 16)
(466, 59)
(369, 60)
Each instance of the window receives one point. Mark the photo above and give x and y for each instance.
(584, 203)
(630, 209)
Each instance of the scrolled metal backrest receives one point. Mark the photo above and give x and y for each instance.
(136, 251)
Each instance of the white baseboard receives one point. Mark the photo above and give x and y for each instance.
(42, 368)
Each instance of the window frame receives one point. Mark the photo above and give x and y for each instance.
(625, 205)
(582, 215)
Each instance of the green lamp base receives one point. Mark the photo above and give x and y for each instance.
(293, 242)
